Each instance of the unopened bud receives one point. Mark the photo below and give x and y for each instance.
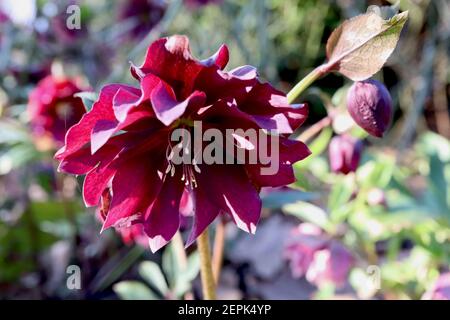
(345, 153)
(370, 105)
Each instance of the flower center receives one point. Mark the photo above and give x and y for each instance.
(182, 155)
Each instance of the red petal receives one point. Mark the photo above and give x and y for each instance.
(163, 217)
(228, 187)
(80, 134)
(168, 109)
(134, 187)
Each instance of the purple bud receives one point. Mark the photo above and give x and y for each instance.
(345, 153)
(370, 105)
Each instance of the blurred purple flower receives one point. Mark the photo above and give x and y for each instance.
(3, 17)
(313, 254)
(345, 153)
(370, 105)
(440, 290)
(200, 3)
(63, 33)
(330, 265)
(145, 14)
(30, 73)
(53, 109)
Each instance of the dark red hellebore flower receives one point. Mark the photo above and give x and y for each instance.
(123, 144)
(53, 109)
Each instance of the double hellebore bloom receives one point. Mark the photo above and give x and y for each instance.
(53, 109)
(125, 144)
(345, 153)
(370, 105)
(313, 254)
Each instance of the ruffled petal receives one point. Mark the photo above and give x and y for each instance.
(264, 101)
(167, 108)
(163, 217)
(80, 134)
(219, 59)
(170, 59)
(229, 188)
(290, 151)
(134, 187)
(95, 183)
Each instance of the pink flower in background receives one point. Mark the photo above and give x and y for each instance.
(53, 109)
(123, 144)
(440, 290)
(313, 254)
(370, 105)
(345, 153)
(200, 3)
(330, 265)
(3, 17)
(142, 14)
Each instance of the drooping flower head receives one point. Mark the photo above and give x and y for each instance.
(345, 153)
(370, 105)
(124, 144)
(313, 254)
(142, 14)
(53, 109)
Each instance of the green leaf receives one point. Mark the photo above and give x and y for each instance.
(317, 146)
(360, 46)
(308, 213)
(12, 132)
(341, 193)
(376, 173)
(277, 199)
(169, 264)
(187, 275)
(116, 267)
(431, 143)
(16, 156)
(133, 290)
(437, 182)
(151, 273)
(88, 98)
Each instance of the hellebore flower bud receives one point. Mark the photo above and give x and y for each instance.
(370, 105)
(345, 153)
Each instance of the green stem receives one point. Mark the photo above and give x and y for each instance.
(207, 275)
(307, 81)
(219, 246)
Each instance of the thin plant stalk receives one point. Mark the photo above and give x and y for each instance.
(206, 271)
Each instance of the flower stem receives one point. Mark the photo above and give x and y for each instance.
(219, 245)
(315, 129)
(307, 81)
(208, 282)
